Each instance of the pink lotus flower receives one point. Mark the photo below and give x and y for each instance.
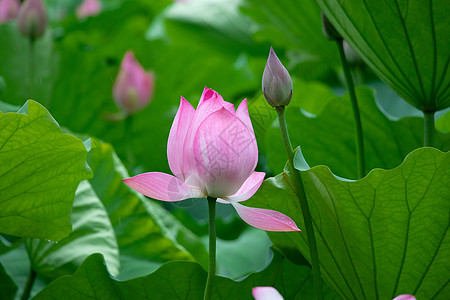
(266, 293)
(212, 151)
(89, 8)
(133, 88)
(8, 10)
(32, 18)
(405, 297)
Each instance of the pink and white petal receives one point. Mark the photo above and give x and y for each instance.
(405, 297)
(249, 188)
(224, 152)
(242, 114)
(210, 101)
(207, 94)
(177, 137)
(266, 293)
(161, 186)
(265, 219)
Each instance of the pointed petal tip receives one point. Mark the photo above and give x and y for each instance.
(207, 94)
(184, 103)
(296, 228)
(248, 188)
(129, 55)
(272, 53)
(207, 89)
(265, 219)
(183, 100)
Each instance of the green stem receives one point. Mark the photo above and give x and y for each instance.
(31, 70)
(301, 195)
(212, 248)
(128, 137)
(428, 137)
(28, 285)
(358, 128)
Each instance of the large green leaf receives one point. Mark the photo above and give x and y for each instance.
(7, 286)
(8, 242)
(381, 236)
(180, 280)
(40, 170)
(329, 139)
(293, 26)
(92, 233)
(213, 23)
(405, 42)
(147, 234)
(443, 123)
(233, 258)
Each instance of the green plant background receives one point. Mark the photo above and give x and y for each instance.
(65, 213)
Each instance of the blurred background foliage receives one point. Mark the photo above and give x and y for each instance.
(221, 44)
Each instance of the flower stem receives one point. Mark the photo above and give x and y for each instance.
(358, 128)
(29, 285)
(301, 195)
(212, 248)
(31, 70)
(128, 133)
(428, 137)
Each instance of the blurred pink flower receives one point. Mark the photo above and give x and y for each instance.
(133, 89)
(266, 293)
(89, 8)
(212, 151)
(32, 18)
(405, 297)
(8, 10)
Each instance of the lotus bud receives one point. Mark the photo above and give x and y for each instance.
(328, 29)
(89, 8)
(133, 88)
(32, 19)
(8, 10)
(276, 82)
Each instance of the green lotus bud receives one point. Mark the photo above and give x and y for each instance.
(328, 29)
(276, 82)
(32, 19)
